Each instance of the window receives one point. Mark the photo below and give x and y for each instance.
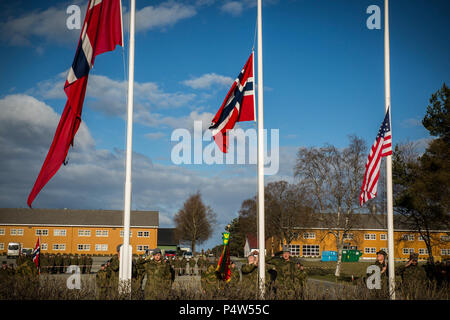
(2, 246)
(294, 249)
(122, 233)
(408, 237)
(420, 238)
(59, 246)
(423, 251)
(143, 234)
(309, 235)
(311, 250)
(348, 236)
(16, 232)
(370, 236)
(2, 232)
(101, 233)
(445, 238)
(44, 246)
(42, 232)
(84, 247)
(445, 252)
(370, 250)
(142, 247)
(59, 232)
(101, 247)
(383, 236)
(84, 233)
(408, 250)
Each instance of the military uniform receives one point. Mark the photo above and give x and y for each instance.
(74, 260)
(43, 262)
(286, 275)
(59, 263)
(51, 263)
(89, 264)
(101, 280)
(158, 278)
(66, 262)
(83, 263)
(191, 266)
(183, 265)
(113, 272)
(209, 279)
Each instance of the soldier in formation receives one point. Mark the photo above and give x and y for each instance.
(101, 281)
(159, 278)
(191, 265)
(183, 265)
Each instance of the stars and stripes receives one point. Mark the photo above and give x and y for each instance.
(239, 105)
(102, 31)
(382, 147)
(36, 253)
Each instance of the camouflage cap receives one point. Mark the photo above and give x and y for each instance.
(413, 256)
(382, 252)
(156, 251)
(286, 249)
(3, 262)
(118, 247)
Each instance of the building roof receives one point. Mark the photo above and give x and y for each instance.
(71, 217)
(252, 241)
(362, 221)
(166, 237)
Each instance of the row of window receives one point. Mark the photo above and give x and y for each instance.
(81, 233)
(80, 247)
(308, 250)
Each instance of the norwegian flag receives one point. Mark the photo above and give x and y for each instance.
(382, 147)
(36, 253)
(102, 31)
(239, 105)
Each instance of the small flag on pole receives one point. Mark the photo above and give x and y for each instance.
(36, 253)
(102, 31)
(382, 147)
(238, 106)
(223, 271)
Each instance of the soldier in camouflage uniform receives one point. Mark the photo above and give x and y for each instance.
(158, 276)
(177, 266)
(286, 271)
(89, 262)
(43, 261)
(51, 263)
(74, 260)
(101, 280)
(183, 266)
(83, 263)
(209, 279)
(113, 270)
(140, 272)
(4, 272)
(191, 265)
(412, 272)
(66, 262)
(59, 263)
(382, 264)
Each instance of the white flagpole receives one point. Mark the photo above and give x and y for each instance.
(261, 220)
(390, 209)
(125, 252)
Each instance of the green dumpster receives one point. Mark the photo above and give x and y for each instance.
(351, 255)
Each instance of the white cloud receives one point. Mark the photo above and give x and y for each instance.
(50, 24)
(235, 8)
(155, 135)
(411, 122)
(207, 80)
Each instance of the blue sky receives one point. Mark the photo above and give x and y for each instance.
(323, 78)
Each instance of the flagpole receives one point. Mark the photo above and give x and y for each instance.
(390, 209)
(261, 220)
(125, 252)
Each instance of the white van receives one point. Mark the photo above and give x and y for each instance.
(13, 249)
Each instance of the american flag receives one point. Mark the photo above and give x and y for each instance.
(382, 147)
(36, 253)
(239, 105)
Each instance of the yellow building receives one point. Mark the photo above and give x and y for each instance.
(77, 231)
(369, 234)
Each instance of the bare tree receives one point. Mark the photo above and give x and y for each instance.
(195, 221)
(333, 178)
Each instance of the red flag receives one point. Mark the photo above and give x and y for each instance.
(239, 105)
(102, 31)
(36, 253)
